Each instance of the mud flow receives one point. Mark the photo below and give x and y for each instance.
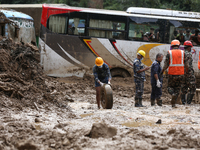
(46, 113)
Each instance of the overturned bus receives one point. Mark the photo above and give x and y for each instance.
(17, 25)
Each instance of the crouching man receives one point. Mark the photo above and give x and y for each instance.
(102, 75)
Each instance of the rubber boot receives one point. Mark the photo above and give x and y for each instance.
(183, 99)
(159, 102)
(137, 102)
(140, 102)
(189, 98)
(173, 101)
(152, 102)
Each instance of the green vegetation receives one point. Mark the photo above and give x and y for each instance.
(185, 5)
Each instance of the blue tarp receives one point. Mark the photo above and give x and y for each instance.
(15, 14)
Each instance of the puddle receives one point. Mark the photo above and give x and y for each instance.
(139, 124)
(96, 118)
(85, 115)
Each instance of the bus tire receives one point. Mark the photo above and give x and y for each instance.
(106, 96)
(119, 72)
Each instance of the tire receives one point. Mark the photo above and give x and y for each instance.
(106, 96)
(119, 73)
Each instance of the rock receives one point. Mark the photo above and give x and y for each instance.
(68, 98)
(159, 121)
(172, 131)
(52, 145)
(66, 142)
(38, 120)
(27, 145)
(102, 130)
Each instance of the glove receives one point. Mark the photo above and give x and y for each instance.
(101, 83)
(158, 84)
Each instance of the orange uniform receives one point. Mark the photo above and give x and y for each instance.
(176, 63)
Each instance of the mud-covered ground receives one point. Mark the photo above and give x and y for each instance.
(44, 113)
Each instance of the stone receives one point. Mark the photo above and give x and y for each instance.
(102, 130)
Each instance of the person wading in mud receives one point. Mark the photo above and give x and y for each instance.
(176, 61)
(189, 79)
(156, 81)
(102, 75)
(139, 77)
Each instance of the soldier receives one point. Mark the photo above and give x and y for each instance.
(139, 77)
(189, 80)
(176, 61)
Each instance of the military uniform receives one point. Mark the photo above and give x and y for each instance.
(156, 92)
(189, 79)
(174, 81)
(139, 79)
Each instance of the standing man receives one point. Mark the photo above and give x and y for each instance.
(102, 75)
(156, 80)
(189, 80)
(176, 61)
(139, 77)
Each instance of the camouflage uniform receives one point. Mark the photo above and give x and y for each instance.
(139, 79)
(189, 78)
(174, 81)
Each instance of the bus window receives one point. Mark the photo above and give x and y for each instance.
(57, 24)
(119, 26)
(98, 28)
(106, 29)
(182, 31)
(144, 32)
(76, 26)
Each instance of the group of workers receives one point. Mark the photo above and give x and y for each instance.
(180, 75)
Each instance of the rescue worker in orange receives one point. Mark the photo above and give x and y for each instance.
(102, 75)
(176, 62)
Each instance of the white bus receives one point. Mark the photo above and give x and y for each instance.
(72, 37)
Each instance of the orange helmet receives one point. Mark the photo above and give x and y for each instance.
(99, 61)
(175, 43)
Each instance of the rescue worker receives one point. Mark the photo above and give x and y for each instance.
(176, 61)
(189, 80)
(156, 81)
(139, 77)
(102, 75)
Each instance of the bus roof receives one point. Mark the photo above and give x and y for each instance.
(162, 12)
(15, 14)
(184, 17)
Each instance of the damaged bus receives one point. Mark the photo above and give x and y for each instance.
(17, 25)
(72, 37)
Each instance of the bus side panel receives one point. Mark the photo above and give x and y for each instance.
(67, 53)
(63, 55)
